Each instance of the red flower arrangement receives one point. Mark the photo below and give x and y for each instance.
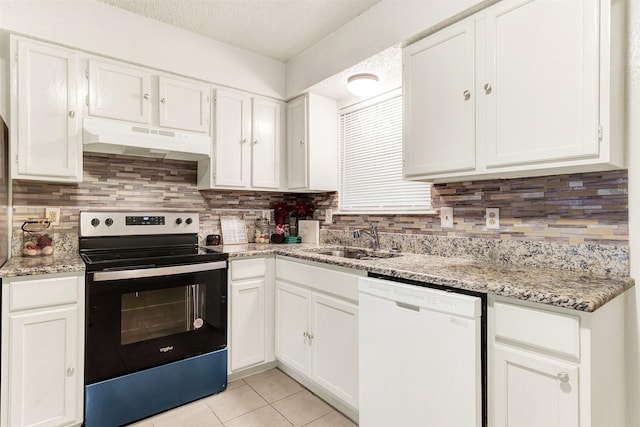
(282, 211)
(302, 209)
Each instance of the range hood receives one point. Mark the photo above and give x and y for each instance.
(105, 136)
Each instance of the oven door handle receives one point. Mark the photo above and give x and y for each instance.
(103, 276)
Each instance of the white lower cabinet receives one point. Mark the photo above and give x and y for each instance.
(317, 328)
(251, 313)
(43, 351)
(555, 367)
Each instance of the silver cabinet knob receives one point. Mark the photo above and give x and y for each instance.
(72, 114)
(301, 142)
(467, 95)
(563, 377)
(162, 100)
(487, 88)
(146, 96)
(255, 142)
(70, 371)
(310, 336)
(244, 141)
(305, 334)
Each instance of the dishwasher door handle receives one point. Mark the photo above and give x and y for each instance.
(407, 306)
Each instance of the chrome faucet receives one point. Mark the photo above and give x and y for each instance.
(372, 233)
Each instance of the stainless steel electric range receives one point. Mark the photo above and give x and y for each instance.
(156, 323)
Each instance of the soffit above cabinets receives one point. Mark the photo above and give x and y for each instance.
(276, 29)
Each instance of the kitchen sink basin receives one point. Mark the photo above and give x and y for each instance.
(358, 254)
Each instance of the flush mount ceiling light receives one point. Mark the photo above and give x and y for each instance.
(362, 84)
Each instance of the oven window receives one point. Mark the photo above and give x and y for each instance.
(147, 315)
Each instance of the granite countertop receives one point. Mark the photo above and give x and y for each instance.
(30, 266)
(561, 288)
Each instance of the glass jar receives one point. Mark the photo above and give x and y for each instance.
(262, 230)
(37, 238)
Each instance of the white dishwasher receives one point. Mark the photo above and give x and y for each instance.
(420, 356)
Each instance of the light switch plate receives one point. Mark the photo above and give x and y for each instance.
(493, 218)
(328, 216)
(53, 215)
(446, 217)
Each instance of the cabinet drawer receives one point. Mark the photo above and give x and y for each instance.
(247, 268)
(544, 329)
(26, 294)
(328, 280)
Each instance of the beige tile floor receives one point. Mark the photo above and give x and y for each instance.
(267, 399)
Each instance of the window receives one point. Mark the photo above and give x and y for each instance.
(371, 160)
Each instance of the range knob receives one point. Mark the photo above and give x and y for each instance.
(178, 221)
(95, 222)
(108, 222)
(188, 221)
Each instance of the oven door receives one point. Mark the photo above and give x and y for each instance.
(146, 317)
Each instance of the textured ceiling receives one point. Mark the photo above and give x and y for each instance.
(387, 65)
(278, 29)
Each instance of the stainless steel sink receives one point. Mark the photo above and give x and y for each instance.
(358, 254)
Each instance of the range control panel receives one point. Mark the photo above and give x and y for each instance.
(98, 224)
(144, 220)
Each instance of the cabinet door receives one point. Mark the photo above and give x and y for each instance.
(439, 108)
(118, 92)
(232, 153)
(43, 361)
(292, 326)
(532, 390)
(265, 144)
(542, 82)
(247, 323)
(183, 105)
(47, 114)
(335, 347)
(297, 144)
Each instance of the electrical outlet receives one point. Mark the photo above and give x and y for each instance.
(53, 215)
(493, 218)
(446, 217)
(328, 216)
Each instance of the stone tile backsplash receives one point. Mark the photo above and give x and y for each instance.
(588, 208)
(576, 208)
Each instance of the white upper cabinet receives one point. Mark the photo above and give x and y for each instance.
(184, 104)
(46, 142)
(133, 94)
(232, 134)
(498, 96)
(541, 93)
(265, 144)
(439, 132)
(312, 142)
(247, 147)
(119, 92)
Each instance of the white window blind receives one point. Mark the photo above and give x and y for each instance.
(371, 161)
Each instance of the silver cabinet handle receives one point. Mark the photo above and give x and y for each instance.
(255, 142)
(244, 141)
(310, 336)
(563, 377)
(162, 100)
(305, 334)
(70, 371)
(301, 142)
(487, 88)
(72, 114)
(146, 96)
(467, 95)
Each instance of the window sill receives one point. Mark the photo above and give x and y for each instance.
(399, 212)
